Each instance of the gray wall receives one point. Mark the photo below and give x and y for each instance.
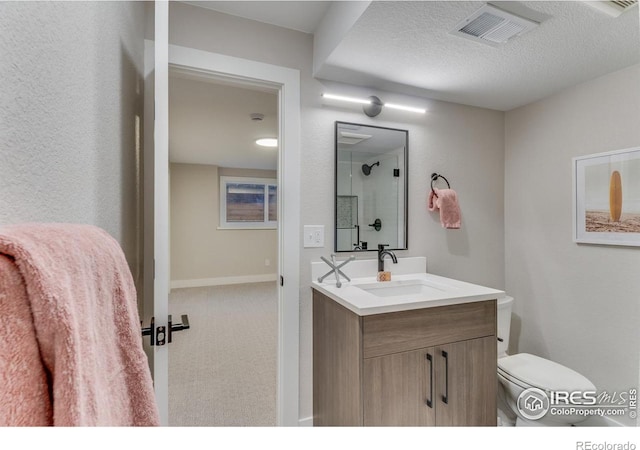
(575, 304)
(463, 143)
(70, 93)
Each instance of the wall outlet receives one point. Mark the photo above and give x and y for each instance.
(313, 236)
(267, 262)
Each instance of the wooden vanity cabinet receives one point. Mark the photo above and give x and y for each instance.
(424, 367)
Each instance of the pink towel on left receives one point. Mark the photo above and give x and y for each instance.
(70, 341)
(446, 200)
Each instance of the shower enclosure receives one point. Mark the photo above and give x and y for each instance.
(371, 187)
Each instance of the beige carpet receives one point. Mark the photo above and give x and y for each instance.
(222, 372)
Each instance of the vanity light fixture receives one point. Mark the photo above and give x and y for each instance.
(267, 142)
(343, 98)
(405, 108)
(373, 105)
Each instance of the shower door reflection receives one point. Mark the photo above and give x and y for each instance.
(371, 187)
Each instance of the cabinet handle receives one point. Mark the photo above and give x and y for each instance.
(430, 399)
(445, 397)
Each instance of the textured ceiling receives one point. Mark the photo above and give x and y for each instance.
(406, 46)
(209, 123)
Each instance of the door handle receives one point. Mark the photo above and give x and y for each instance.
(430, 399)
(162, 335)
(178, 326)
(445, 397)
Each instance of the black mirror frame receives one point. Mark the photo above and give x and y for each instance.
(335, 188)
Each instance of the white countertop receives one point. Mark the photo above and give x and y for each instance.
(408, 289)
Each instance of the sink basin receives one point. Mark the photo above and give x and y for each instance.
(405, 287)
(411, 287)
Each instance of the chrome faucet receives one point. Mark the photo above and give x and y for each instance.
(382, 253)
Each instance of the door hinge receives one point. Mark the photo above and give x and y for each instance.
(281, 280)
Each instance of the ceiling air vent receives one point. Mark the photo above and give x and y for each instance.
(493, 26)
(349, 138)
(613, 8)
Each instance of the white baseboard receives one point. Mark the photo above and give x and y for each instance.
(200, 282)
(307, 422)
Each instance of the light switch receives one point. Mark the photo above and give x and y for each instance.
(313, 236)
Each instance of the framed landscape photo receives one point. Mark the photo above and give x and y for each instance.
(606, 198)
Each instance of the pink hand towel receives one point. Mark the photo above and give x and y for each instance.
(446, 200)
(70, 341)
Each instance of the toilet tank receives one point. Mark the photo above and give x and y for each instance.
(505, 305)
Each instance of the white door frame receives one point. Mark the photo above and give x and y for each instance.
(286, 82)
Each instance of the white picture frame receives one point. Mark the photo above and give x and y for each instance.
(600, 197)
(264, 224)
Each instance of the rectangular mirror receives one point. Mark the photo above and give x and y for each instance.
(371, 187)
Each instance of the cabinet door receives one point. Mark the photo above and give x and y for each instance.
(466, 383)
(399, 389)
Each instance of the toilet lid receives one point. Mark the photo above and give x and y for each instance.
(542, 373)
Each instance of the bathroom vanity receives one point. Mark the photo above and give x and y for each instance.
(419, 350)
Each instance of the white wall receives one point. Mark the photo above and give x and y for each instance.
(198, 249)
(575, 304)
(463, 143)
(70, 92)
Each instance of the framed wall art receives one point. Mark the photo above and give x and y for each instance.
(606, 198)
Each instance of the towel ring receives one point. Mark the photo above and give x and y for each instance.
(434, 177)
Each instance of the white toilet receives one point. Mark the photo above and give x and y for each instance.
(522, 371)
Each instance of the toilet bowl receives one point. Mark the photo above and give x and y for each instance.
(527, 382)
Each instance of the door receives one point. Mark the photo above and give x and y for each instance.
(466, 377)
(398, 389)
(158, 55)
(156, 204)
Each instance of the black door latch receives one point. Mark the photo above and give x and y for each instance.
(162, 335)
